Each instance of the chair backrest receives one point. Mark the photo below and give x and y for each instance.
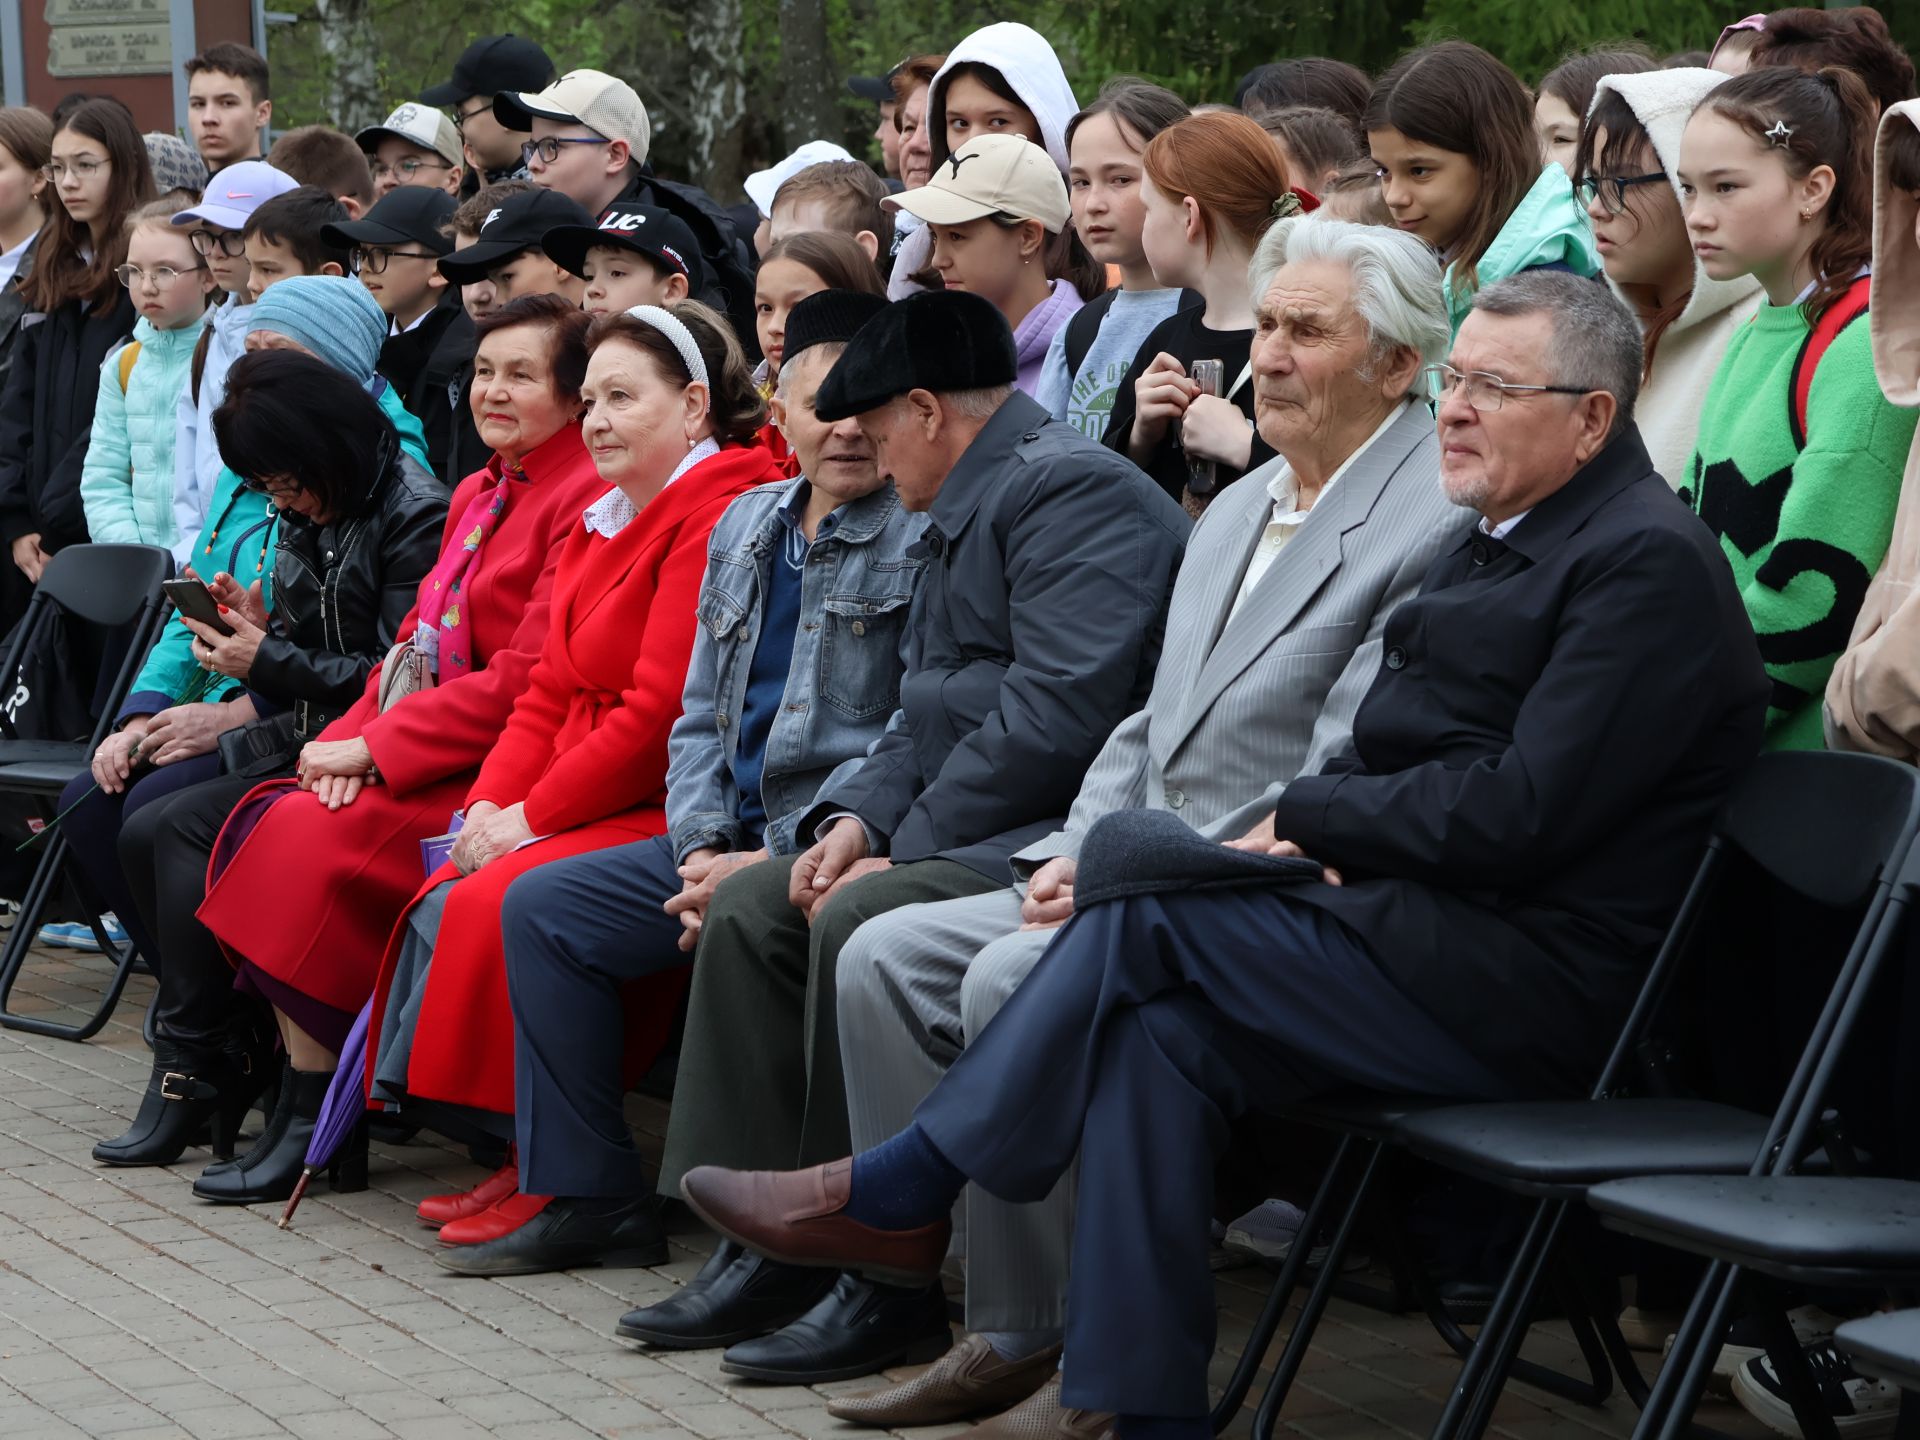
(105, 584)
(1834, 828)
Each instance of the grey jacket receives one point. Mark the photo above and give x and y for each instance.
(1231, 720)
(1035, 631)
(844, 680)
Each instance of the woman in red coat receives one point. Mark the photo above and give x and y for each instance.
(583, 762)
(377, 783)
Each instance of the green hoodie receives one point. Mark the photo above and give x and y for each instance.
(1547, 227)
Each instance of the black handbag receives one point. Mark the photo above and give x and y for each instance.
(258, 749)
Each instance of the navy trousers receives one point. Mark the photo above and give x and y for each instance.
(1147, 1027)
(576, 931)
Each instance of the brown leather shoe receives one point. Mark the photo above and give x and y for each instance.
(1041, 1417)
(967, 1382)
(794, 1217)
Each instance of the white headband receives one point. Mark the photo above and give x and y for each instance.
(675, 330)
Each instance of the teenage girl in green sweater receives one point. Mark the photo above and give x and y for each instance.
(1798, 462)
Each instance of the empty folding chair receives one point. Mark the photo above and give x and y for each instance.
(114, 587)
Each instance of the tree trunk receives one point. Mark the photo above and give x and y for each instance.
(808, 77)
(347, 36)
(717, 96)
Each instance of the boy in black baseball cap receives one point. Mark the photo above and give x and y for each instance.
(396, 250)
(633, 254)
(491, 65)
(510, 253)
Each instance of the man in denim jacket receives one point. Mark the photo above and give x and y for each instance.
(796, 669)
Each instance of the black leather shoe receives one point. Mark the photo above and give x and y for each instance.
(565, 1236)
(192, 1088)
(735, 1297)
(268, 1172)
(858, 1329)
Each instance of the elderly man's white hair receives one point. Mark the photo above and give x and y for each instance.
(1396, 279)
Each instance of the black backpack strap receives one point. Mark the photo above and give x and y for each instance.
(1084, 327)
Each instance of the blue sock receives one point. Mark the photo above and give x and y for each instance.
(903, 1183)
(1162, 1427)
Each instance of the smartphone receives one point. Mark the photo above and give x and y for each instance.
(194, 600)
(1209, 375)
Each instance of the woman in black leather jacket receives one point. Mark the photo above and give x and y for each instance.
(360, 527)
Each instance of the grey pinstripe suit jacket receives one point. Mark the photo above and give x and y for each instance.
(1238, 709)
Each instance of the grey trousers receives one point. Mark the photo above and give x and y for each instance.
(916, 984)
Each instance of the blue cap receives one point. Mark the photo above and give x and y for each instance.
(236, 192)
(330, 315)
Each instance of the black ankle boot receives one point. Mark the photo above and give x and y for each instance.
(269, 1171)
(192, 1087)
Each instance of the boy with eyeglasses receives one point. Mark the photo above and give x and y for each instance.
(214, 228)
(395, 251)
(414, 146)
(489, 66)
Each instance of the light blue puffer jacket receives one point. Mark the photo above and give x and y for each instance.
(126, 485)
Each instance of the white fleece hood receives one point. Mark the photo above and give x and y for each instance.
(1032, 71)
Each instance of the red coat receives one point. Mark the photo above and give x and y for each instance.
(312, 894)
(586, 750)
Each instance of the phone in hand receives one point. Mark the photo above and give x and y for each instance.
(194, 600)
(1209, 375)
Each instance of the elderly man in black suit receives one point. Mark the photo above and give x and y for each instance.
(1534, 772)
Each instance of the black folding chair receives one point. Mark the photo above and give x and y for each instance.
(1832, 828)
(1834, 1232)
(114, 587)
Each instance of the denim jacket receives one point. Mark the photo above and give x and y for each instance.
(844, 681)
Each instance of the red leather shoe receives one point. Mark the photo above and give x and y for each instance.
(437, 1210)
(503, 1219)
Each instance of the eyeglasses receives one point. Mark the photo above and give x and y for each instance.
(408, 168)
(549, 149)
(374, 261)
(274, 487)
(1611, 190)
(161, 275)
(461, 117)
(1485, 393)
(230, 243)
(83, 168)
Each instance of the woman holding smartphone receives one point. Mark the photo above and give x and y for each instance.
(359, 525)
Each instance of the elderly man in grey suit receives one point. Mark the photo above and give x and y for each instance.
(1273, 636)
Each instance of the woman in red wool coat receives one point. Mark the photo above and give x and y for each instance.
(374, 784)
(583, 762)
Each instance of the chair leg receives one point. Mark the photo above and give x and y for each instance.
(1288, 1280)
(13, 958)
(1907, 1427)
(1669, 1409)
(1499, 1339)
(1284, 1373)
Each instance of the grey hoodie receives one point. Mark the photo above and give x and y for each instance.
(1684, 362)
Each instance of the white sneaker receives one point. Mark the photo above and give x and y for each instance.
(1811, 1326)
(1267, 1232)
(1860, 1408)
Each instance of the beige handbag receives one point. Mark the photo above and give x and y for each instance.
(404, 672)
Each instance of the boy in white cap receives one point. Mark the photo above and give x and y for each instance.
(415, 145)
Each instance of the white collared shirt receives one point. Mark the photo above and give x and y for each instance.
(1504, 528)
(1286, 517)
(394, 327)
(613, 511)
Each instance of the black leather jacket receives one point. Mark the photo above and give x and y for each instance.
(341, 590)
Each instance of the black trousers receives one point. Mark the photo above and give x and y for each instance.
(1146, 1028)
(164, 850)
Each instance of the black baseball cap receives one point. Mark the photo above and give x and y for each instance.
(878, 88)
(661, 236)
(520, 223)
(405, 215)
(489, 65)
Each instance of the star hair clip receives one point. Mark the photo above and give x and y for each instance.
(1779, 136)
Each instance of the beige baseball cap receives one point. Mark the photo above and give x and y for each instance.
(593, 98)
(420, 125)
(991, 175)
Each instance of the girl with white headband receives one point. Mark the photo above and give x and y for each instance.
(671, 413)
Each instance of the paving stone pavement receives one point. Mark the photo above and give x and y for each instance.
(130, 1309)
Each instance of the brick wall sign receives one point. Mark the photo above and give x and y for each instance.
(108, 37)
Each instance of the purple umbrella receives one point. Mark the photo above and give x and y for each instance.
(346, 1102)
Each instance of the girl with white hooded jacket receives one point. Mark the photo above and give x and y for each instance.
(1624, 170)
(1003, 79)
